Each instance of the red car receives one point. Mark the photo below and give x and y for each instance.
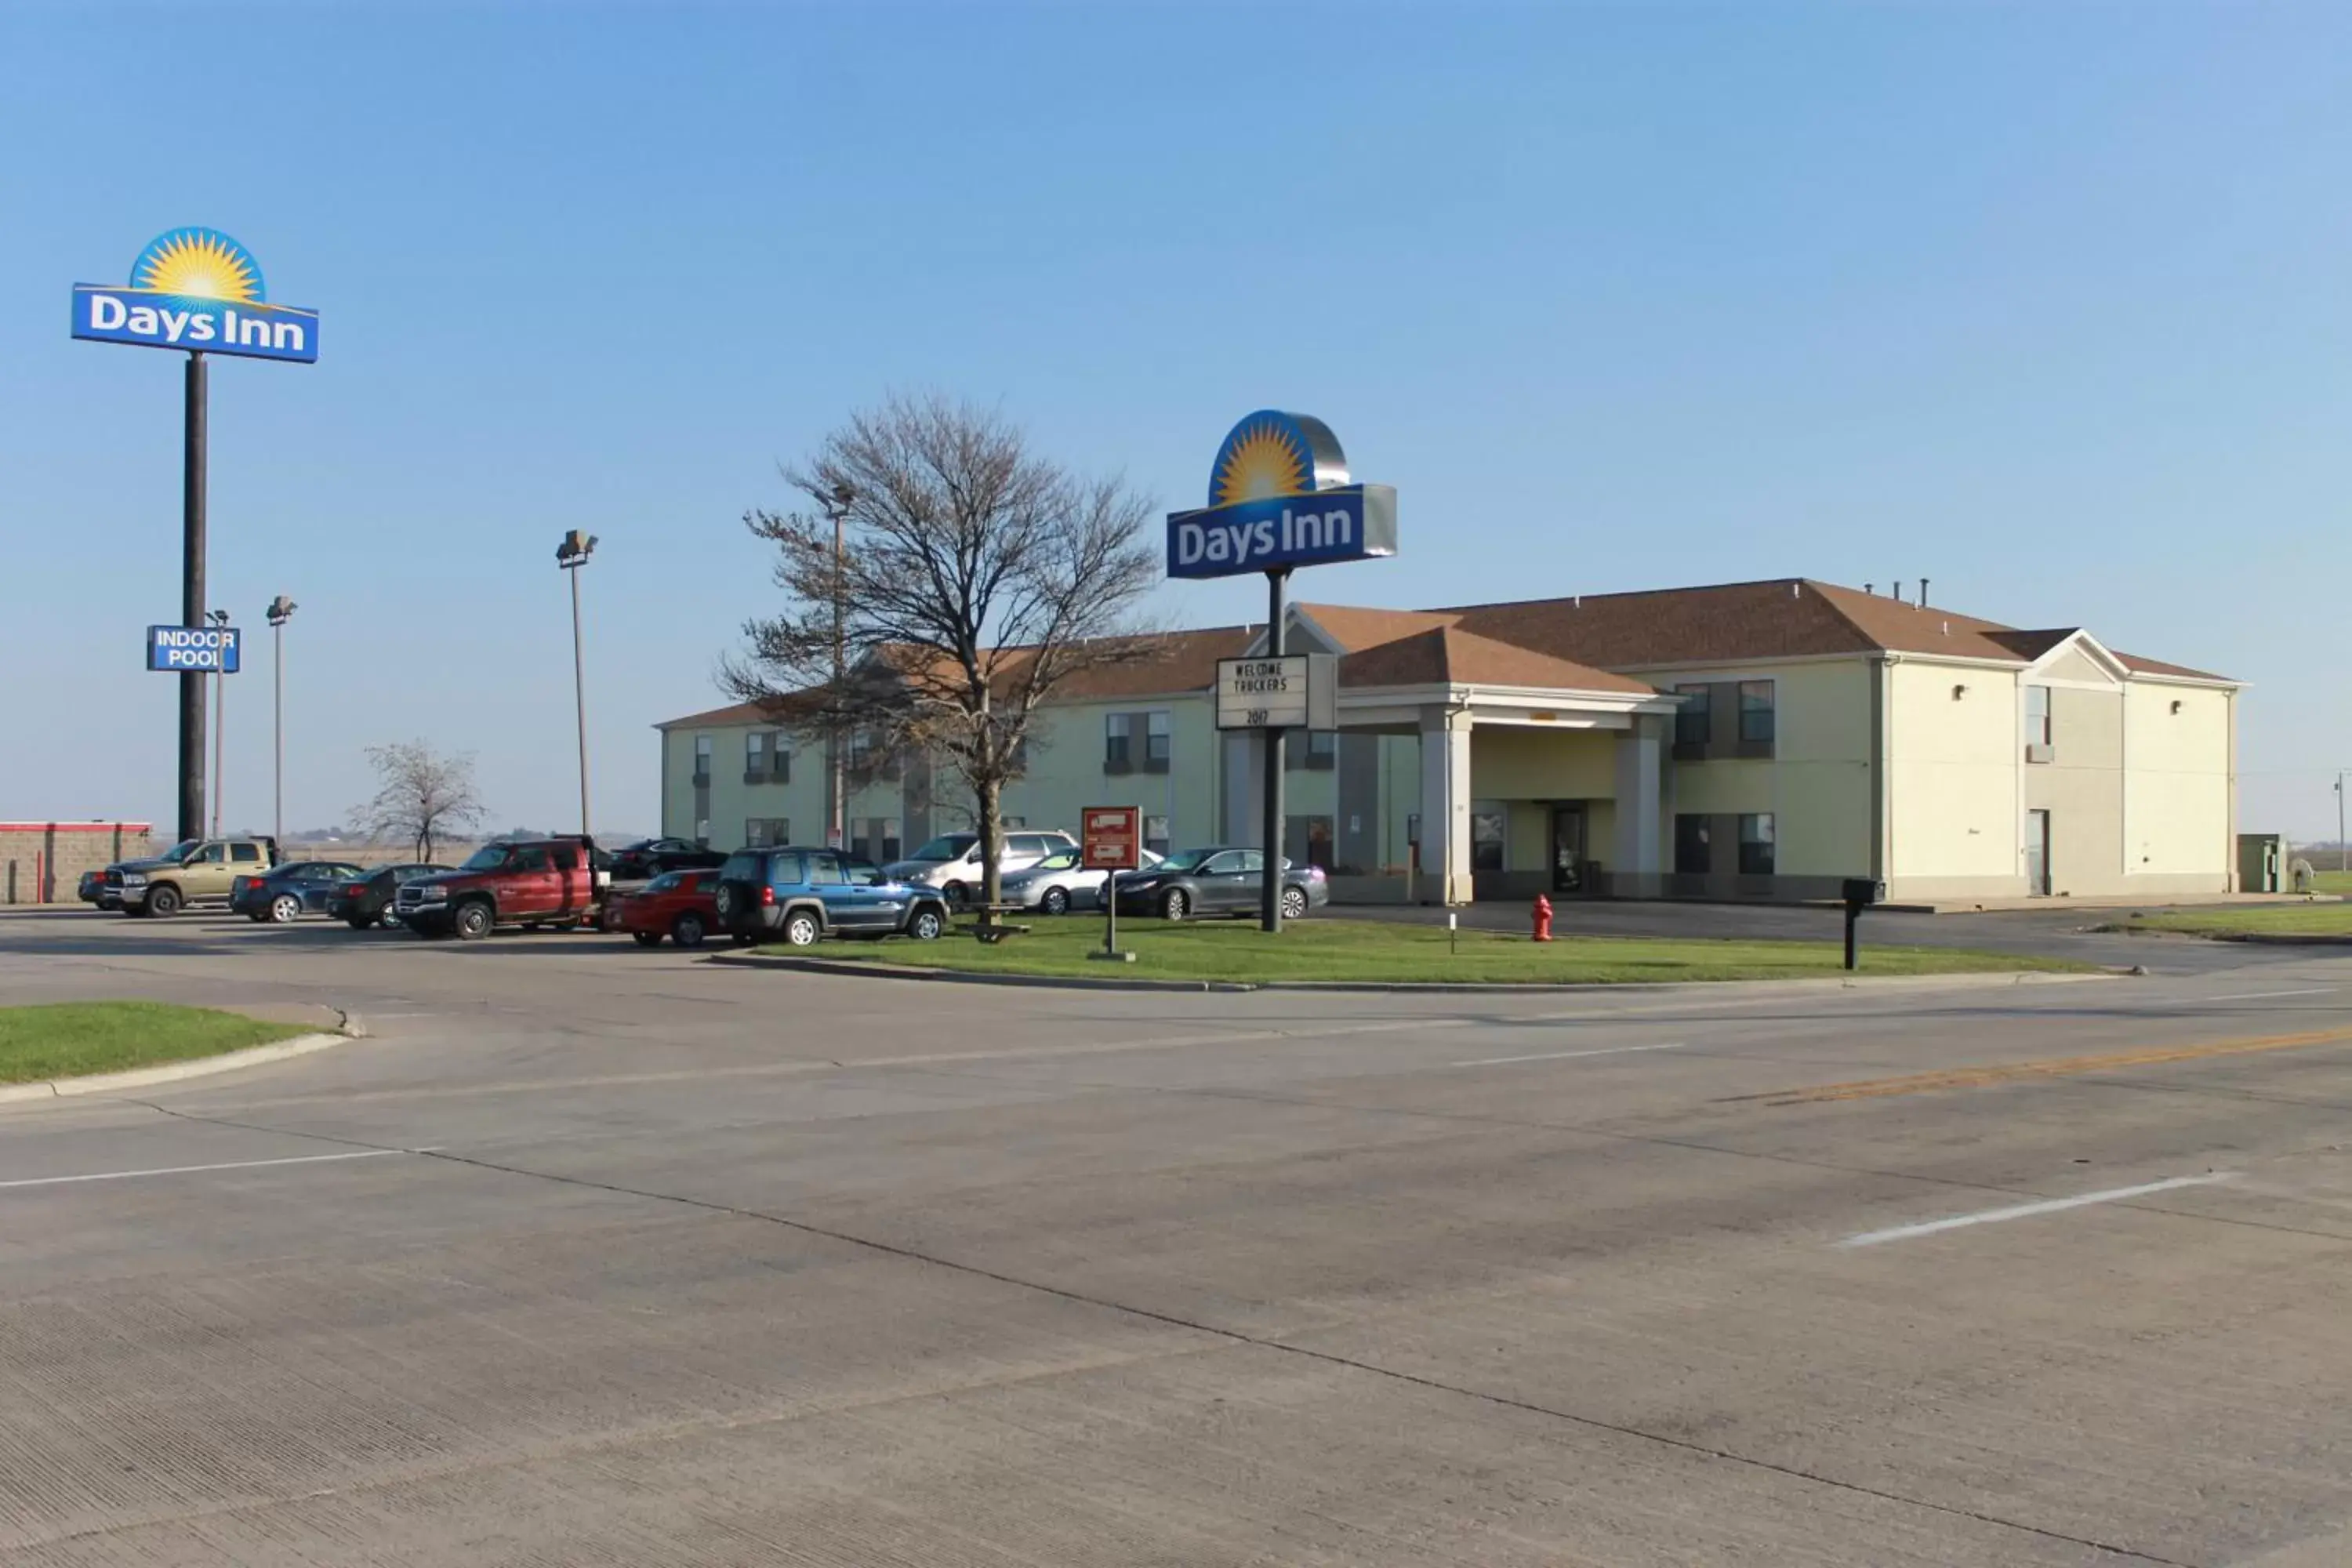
(676, 904)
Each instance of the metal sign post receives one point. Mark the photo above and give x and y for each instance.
(197, 291)
(1280, 496)
(1113, 842)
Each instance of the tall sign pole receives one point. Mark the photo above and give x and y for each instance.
(192, 597)
(197, 291)
(1269, 911)
(1279, 497)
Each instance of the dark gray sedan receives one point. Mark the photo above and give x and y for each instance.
(1218, 881)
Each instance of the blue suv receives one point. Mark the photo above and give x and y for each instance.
(799, 895)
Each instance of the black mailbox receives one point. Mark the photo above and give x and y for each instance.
(1861, 891)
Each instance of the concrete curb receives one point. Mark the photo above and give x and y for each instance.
(171, 1072)
(2254, 938)
(851, 967)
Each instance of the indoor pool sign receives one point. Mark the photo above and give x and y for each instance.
(199, 290)
(1278, 498)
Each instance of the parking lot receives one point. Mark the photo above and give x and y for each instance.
(590, 1253)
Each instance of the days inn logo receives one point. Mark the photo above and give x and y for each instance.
(1279, 497)
(198, 291)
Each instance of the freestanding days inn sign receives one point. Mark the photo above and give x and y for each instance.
(198, 291)
(1278, 498)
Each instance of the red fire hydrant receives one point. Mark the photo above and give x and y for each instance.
(1543, 918)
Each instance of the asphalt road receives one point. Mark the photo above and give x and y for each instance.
(597, 1256)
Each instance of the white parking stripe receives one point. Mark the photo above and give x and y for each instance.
(2026, 1211)
(188, 1170)
(2260, 995)
(1568, 1055)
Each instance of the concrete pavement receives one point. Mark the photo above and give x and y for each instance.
(599, 1254)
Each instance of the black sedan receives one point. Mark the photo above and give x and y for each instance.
(366, 901)
(284, 892)
(650, 858)
(1218, 882)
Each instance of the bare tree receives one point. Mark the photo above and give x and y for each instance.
(977, 578)
(420, 797)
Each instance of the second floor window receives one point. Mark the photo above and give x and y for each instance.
(1756, 715)
(1159, 739)
(1693, 721)
(702, 756)
(2037, 716)
(1117, 741)
(755, 754)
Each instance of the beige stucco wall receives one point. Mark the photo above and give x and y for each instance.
(1065, 768)
(734, 802)
(1816, 785)
(1952, 795)
(2082, 786)
(2176, 800)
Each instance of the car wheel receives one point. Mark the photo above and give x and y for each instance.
(1174, 905)
(473, 921)
(163, 902)
(958, 895)
(647, 938)
(1057, 901)
(1293, 903)
(389, 919)
(927, 924)
(800, 928)
(285, 909)
(688, 931)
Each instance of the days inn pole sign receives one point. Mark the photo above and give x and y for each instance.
(1280, 496)
(199, 291)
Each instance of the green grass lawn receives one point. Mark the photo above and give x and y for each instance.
(1390, 951)
(69, 1039)
(2337, 882)
(2280, 920)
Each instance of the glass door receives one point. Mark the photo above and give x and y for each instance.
(2037, 854)
(1567, 849)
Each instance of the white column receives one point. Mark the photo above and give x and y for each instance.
(1444, 806)
(1641, 838)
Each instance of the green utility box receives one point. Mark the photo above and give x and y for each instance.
(2261, 863)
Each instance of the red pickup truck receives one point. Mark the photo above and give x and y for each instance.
(529, 882)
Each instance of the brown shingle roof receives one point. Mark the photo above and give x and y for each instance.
(1448, 655)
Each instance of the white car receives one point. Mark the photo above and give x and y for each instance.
(951, 861)
(1058, 884)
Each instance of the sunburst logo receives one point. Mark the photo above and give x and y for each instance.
(1261, 459)
(199, 264)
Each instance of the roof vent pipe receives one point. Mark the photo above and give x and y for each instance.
(1869, 587)
(1923, 594)
(1898, 587)
(1796, 590)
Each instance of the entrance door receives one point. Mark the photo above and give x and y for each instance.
(2037, 854)
(1567, 849)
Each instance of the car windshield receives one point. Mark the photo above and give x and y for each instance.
(946, 846)
(183, 850)
(1063, 861)
(488, 858)
(1184, 860)
(665, 882)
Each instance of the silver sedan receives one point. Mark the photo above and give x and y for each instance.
(1058, 884)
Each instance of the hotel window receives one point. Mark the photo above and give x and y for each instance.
(1691, 847)
(1487, 828)
(1155, 834)
(1756, 716)
(1117, 756)
(1316, 751)
(1158, 740)
(779, 759)
(2037, 723)
(759, 832)
(1693, 722)
(755, 758)
(1756, 845)
(702, 758)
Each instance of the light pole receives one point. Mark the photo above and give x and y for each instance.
(835, 502)
(571, 555)
(220, 724)
(2340, 855)
(281, 610)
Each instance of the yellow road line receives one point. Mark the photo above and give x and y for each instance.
(2063, 1066)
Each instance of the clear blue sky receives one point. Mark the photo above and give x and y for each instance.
(2046, 303)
